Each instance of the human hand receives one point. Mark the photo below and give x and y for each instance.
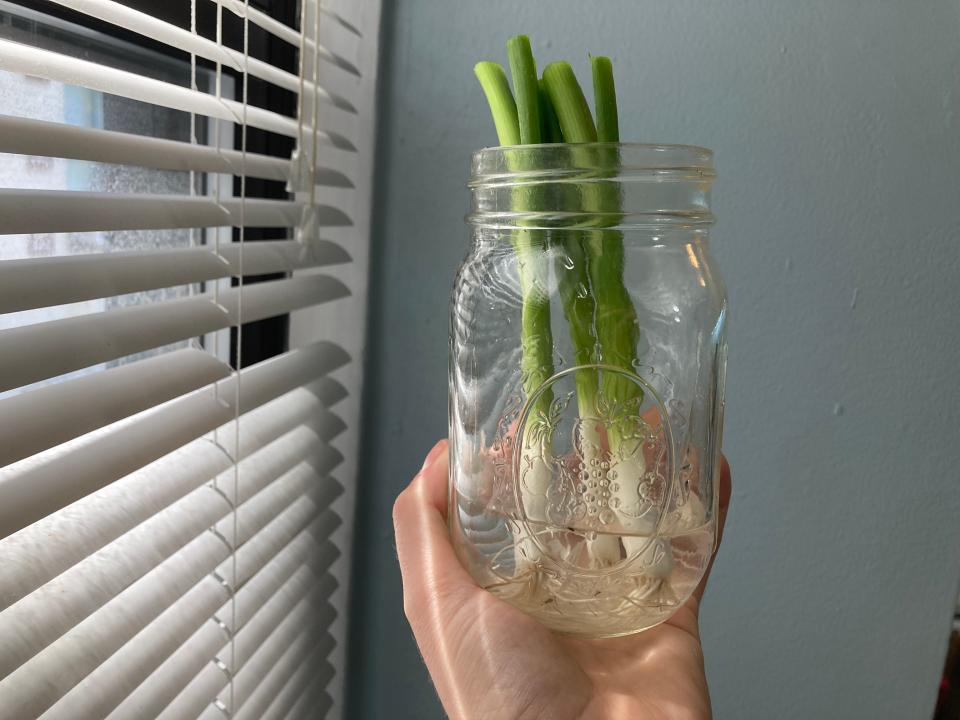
(490, 660)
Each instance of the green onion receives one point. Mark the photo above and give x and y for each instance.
(573, 283)
(526, 88)
(589, 268)
(493, 80)
(615, 320)
(617, 327)
(605, 99)
(571, 107)
(598, 309)
(536, 361)
(549, 125)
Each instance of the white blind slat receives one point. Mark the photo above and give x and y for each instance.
(36, 352)
(31, 353)
(288, 34)
(311, 558)
(283, 256)
(294, 685)
(270, 256)
(291, 82)
(298, 650)
(53, 211)
(279, 535)
(254, 513)
(40, 552)
(41, 282)
(278, 297)
(314, 702)
(175, 648)
(184, 40)
(29, 626)
(27, 136)
(38, 683)
(272, 635)
(54, 414)
(35, 686)
(15, 57)
(46, 486)
(167, 543)
(306, 591)
(328, 391)
(177, 673)
(191, 701)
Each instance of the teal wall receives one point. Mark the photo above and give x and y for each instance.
(837, 132)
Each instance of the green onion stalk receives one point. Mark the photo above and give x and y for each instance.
(519, 124)
(615, 318)
(599, 312)
(617, 322)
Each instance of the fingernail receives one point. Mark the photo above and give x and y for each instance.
(432, 455)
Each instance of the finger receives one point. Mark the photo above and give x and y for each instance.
(436, 490)
(434, 581)
(725, 490)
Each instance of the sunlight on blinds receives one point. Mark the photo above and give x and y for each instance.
(167, 486)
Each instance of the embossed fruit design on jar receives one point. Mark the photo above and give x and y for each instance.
(587, 364)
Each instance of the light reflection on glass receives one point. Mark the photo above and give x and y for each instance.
(695, 263)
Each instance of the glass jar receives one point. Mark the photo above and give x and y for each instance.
(587, 361)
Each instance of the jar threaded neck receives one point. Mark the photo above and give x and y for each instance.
(591, 185)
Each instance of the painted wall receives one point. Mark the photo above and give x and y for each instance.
(837, 132)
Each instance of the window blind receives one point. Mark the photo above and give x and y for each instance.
(171, 512)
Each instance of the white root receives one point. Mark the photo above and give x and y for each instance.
(535, 478)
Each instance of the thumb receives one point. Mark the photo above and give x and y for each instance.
(725, 490)
(434, 581)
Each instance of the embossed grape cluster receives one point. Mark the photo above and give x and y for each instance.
(598, 487)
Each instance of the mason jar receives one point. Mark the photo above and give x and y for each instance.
(587, 361)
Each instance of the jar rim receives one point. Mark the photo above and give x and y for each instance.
(599, 185)
(505, 161)
(659, 147)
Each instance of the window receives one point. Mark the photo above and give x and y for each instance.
(184, 208)
(58, 102)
